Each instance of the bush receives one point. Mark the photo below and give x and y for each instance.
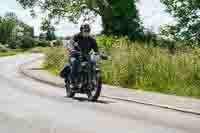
(27, 42)
(15, 44)
(106, 42)
(3, 48)
(57, 43)
(43, 43)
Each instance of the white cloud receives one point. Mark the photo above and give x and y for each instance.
(151, 11)
(153, 14)
(66, 28)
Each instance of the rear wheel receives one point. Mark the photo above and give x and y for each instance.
(95, 92)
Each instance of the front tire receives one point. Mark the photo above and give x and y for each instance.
(69, 92)
(95, 94)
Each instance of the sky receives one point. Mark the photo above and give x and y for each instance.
(152, 14)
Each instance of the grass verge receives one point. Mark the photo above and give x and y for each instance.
(140, 66)
(11, 52)
(39, 50)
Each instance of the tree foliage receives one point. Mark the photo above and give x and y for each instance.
(14, 32)
(7, 26)
(49, 29)
(187, 14)
(119, 17)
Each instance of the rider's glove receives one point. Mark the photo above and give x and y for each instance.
(98, 57)
(95, 57)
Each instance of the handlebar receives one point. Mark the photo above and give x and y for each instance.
(104, 57)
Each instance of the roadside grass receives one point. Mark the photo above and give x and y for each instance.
(140, 66)
(55, 59)
(11, 52)
(38, 50)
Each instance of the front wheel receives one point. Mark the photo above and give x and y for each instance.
(69, 92)
(95, 92)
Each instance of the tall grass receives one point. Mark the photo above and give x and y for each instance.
(141, 66)
(39, 49)
(55, 59)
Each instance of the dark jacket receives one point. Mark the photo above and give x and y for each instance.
(85, 44)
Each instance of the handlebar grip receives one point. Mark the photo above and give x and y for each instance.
(104, 57)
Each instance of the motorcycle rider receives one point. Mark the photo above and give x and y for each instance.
(84, 43)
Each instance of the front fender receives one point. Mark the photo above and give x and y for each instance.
(65, 71)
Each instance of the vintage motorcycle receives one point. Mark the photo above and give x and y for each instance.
(90, 80)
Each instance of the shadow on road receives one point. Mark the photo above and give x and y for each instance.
(84, 99)
(37, 69)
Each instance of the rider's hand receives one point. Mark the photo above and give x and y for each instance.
(97, 56)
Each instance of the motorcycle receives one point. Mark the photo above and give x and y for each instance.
(90, 79)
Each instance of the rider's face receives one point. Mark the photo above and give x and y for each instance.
(85, 34)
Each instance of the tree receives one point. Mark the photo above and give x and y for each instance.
(25, 29)
(49, 29)
(11, 16)
(11, 26)
(187, 14)
(27, 42)
(6, 30)
(15, 33)
(119, 17)
(51, 34)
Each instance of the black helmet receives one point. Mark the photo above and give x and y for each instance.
(85, 27)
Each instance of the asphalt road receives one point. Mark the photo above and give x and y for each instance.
(27, 106)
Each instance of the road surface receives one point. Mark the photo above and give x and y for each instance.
(27, 106)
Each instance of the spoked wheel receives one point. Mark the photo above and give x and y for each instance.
(95, 91)
(69, 92)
